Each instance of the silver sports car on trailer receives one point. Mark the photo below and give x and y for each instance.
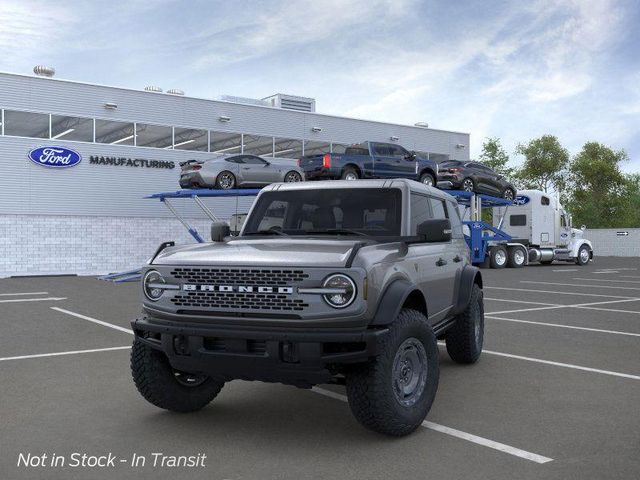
(233, 171)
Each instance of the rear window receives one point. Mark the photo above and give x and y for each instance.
(518, 220)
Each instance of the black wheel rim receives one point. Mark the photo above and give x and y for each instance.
(409, 374)
(292, 177)
(226, 181)
(189, 379)
(467, 185)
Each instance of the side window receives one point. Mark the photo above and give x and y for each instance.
(517, 220)
(456, 223)
(381, 150)
(253, 160)
(563, 221)
(234, 160)
(420, 211)
(274, 216)
(397, 151)
(545, 201)
(437, 208)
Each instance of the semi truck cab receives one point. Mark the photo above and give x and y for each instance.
(540, 223)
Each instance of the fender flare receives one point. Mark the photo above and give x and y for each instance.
(428, 169)
(469, 276)
(391, 302)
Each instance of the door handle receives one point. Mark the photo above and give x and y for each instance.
(246, 168)
(457, 259)
(441, 262)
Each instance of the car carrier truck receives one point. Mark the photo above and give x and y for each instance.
(540, 228)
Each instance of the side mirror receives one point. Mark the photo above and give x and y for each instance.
(219, 230)
(435, 230)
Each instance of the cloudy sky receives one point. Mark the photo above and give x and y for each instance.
(511, 69)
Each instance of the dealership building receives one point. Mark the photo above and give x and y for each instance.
(92, 217)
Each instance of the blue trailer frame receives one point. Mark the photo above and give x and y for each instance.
(481, 234)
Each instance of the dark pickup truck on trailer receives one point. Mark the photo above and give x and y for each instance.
(370, 160)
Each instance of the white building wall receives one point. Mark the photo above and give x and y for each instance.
(612, 242)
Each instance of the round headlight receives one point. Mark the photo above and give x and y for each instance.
(343, 290)
(151, 285)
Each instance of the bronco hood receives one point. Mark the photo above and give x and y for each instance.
(261, 252)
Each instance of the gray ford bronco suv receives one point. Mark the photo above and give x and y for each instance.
(328, 282)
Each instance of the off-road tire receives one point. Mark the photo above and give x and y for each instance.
(225, 187)
(464, 340)
(512, 259)
(370, 386)
(495, 257)
(155, 380)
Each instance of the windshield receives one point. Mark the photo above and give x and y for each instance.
(374, 212)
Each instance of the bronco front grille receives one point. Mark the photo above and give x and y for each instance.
(239, 276)
(238, 301)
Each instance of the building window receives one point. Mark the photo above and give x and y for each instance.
(287, 148)
(76, 129)
(114, 133)
(316, 148)
(26, 124)
(257, 145)
(155, 136)
(225, 143)
(190, 139)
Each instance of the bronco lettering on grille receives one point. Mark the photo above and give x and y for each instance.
(237, 289)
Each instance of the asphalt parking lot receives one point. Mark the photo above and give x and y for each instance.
(556, 394)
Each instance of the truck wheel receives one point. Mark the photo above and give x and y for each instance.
(498, 257)
(517, 257)
(583, 255)
(225, 180)
(167, 388)
(350, 173)
(428, 180)
(464, 340)
(393, 393)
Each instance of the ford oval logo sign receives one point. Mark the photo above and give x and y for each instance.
(521, 200)
(55, 157)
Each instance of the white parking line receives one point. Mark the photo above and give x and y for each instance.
(58, 354)
(23, 293)
(581, 286)
(485, 442)
(94, 320)
(520, 301)
(46, 299)
(610, 310)
(564, 365)
(576, 305)
(566, 270)
(573, 327)
(605, 280)
(629, 276)
(580, 294)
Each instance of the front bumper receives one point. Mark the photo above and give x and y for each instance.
(302, 357)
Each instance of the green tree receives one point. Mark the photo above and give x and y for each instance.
(600, 194)
(545, 164)
(495, 157)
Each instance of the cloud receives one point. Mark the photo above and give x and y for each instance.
(29, 28)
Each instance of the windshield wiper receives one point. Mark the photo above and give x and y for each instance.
(266, 232)
(337, 231)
